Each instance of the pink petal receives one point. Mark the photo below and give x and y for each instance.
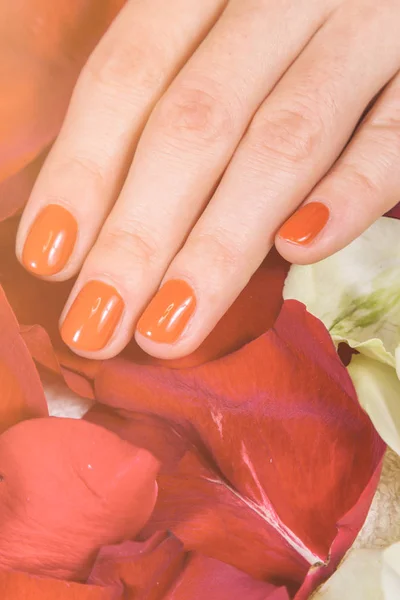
(21, 392)
(159, 569)
(15, 585)
(68, 487)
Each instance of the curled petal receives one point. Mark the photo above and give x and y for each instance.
(68, 487)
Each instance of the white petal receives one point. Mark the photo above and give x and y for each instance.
(357, 578)
(63, 402)
(356, 292)
(378, 391)
(391, 573)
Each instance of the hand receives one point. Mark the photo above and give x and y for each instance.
(195, 131)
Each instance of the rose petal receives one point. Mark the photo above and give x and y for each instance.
(62, 401)
(207, 578)
(67, 488)
(358, 578)
(391, 573)
(147, 570)
(395, 212)
(266, 440)
(159, 569)
(21, 392)
(16, 585)
(378, 391)
(356, 292)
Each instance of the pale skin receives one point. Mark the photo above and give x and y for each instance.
(197, 129)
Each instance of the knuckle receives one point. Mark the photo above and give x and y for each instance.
(289, 136)
(81, 168)
(219, 247)
(386, 133)
(194, 113)
(121, 66)
(133, 244)
(364, 185)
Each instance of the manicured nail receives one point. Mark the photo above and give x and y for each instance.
(167, 315)
(93, 317)
(50, 241)
(305, 224)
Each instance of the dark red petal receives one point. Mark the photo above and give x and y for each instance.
(68, 487)
(278, 423)
(395, 212)
(210, 517)
(21, 392)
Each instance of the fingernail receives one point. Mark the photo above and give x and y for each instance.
(50, 241)
(305, 224)
(93, 317)
(167, 315)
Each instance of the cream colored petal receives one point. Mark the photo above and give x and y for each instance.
(382, 525)
(378, 391)
(357, 578)
(356, 292)
(391, 573)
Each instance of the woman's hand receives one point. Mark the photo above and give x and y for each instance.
(195, 131)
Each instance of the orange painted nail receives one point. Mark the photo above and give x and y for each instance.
(93, 317)
(167, 315)
(305, 224)
(50, 241)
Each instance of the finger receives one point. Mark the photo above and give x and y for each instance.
(123, 79)
(360, 188)
(294, 138)
(184, 148)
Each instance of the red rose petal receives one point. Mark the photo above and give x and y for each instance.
(15, 585)
(278, 425)
(21, 393)
(146, 570)
(159, 569)
(166, 443)
(207, 578)
(68, 487)
(395, 212)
